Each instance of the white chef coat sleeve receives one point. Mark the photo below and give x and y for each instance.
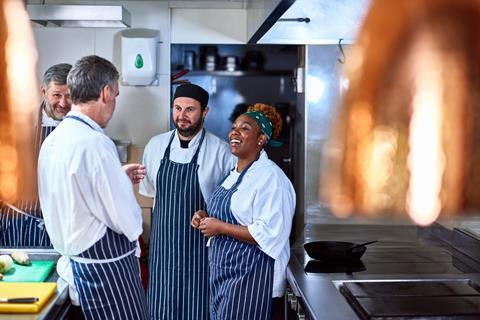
(118, 208)
(147, 185)
(273, 211)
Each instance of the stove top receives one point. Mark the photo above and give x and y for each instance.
(316, 266)
(408, 261)
(415, 299)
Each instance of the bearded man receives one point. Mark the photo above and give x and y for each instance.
(21, 224)
(183, 168)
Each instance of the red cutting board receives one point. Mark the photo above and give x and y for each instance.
(38, 271)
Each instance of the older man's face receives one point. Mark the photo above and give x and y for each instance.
(57, 100)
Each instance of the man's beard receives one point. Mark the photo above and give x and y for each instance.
(192, 130)
(49, 110)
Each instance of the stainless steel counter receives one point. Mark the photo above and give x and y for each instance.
(60, 301)
(403, 252)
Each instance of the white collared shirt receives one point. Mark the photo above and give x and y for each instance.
(47, 121)
(214, 159)
(265, 203)
(83, 188)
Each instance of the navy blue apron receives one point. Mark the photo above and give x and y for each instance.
(110, 290)
(178, 262)
(25, 229)
(241, 275)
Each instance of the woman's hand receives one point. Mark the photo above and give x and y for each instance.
(135, 171)
(198, 216)
(210, 227)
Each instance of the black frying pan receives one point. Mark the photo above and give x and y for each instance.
(335, 250)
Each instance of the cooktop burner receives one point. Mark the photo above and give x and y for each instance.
(317, 266)
(422, 299)
(387, 261)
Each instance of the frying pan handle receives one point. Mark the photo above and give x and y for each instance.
(362, 244)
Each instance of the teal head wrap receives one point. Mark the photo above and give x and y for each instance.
(265, 125)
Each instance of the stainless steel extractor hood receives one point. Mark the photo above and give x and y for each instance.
(93, 16)
(316, 22)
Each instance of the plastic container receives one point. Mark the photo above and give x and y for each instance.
(139, 57)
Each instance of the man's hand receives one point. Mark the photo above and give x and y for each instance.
(198, 216)
(135, 171)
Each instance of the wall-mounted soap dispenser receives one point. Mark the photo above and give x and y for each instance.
(139, 57)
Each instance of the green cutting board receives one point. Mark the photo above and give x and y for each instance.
(37, 272)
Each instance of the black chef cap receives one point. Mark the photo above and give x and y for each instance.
(193, 91)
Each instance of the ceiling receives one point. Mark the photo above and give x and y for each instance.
(208, 4)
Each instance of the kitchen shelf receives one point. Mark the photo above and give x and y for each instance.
(238, 73)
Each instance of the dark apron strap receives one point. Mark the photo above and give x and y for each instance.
(79, 119)
(195, 157)
(166, 155)
(240, 178)
(242, 174)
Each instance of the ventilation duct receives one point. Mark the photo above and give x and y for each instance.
(78, 16)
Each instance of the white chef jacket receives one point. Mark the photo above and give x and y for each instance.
(214, 159)
(47, 121)
(265, 203)
(83, 188)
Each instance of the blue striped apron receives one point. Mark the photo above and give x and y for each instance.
(110, 290)
(241, 275)
(178, 262)
(24, 227)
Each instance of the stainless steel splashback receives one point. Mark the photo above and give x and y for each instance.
(321, 95)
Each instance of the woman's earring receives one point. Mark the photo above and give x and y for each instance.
(259, 143)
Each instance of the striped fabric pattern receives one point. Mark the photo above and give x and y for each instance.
(178, 262)
(19, 230)
(241, 275)
(110, 290)
(111, 245)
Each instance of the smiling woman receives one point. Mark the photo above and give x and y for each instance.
(18, 57)
(248, 220)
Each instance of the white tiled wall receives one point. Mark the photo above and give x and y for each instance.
(209, 26)
(142, 112)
